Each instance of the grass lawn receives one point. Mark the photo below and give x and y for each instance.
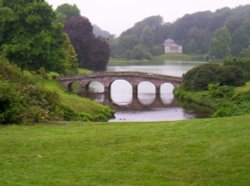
(194, 152)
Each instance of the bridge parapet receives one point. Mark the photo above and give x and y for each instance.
(107, 78)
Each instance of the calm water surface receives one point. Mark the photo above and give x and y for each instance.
(146, 106)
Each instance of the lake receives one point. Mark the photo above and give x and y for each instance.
(146, 106)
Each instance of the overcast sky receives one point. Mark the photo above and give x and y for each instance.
(117, 16)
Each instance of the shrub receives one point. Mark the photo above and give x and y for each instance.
(11, 104)
(200, 77)
(232, 75)
(53, 75)
(242, 63)
(84, 117)
(65, 113)
(100, 117)
(9, 72)
(217, 91)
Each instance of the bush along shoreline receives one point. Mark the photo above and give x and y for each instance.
(223, 101)
(224, 88)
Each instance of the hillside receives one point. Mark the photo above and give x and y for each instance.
(195, 152)
(195, 32)
(101, 33)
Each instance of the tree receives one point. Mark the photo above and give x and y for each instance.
(240, 41)
(221, 43)
(194, 32)
(198, 42)
(140, 52)
(246, 52)
(147, 37)
(66, 11)
(92, 52)
(71, 62)
(99, 54)
(29, 37)
(125, 43)
(79, 30)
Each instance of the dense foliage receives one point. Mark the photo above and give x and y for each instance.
(242, 63)
(220, 33)
(21, 100)
(223, 100)
(92, 52)
(221, 43)
(200, 77)
(66, 11)
(29, 37)
(24, 100)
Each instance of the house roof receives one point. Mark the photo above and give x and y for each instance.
(169, 41)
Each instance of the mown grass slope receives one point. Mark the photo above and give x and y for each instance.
(194, 152)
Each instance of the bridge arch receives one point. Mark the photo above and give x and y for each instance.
(74, 86)
(124, 81)
(108, 78)
(146, 87)
(95, 86)
(167, 87)
(124, 94)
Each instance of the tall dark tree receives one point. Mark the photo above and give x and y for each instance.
(92, 53)
(99, 54)
(29, 37)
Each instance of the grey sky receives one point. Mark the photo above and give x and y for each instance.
(116, 16)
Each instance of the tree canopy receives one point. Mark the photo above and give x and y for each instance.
(92, 52)
(197, 33)
(28, 35)
(66, 11)
(221, 43)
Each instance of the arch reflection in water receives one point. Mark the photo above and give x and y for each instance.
(146, 93)
(167, 95)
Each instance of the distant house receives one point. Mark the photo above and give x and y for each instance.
(171, 47)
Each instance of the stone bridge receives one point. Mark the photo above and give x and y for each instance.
(107, 78)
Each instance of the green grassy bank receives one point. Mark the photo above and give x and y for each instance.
(160, 59)
(194, 152)
(94, 110)
(223, 101)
